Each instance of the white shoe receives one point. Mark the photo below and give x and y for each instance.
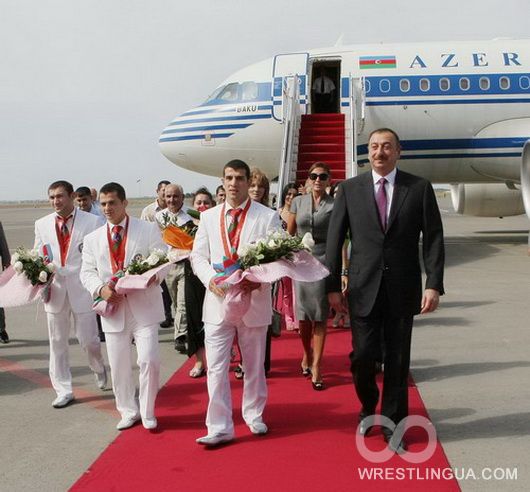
(101, 379)
(63, 401)
(214, 439)
(127, 422)
(149, 424)
(258, 428)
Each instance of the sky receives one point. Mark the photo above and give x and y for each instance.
(88, 86)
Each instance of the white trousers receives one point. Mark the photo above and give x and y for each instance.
(86, 331)
(175, 282)
(218, 343)
(119, 349)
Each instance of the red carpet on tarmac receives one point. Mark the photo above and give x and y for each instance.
(310, 445)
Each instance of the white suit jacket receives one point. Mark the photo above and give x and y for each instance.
(208, 249)
(66, 278)
(146, 305)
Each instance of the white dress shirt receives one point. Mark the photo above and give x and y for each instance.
(180, 217)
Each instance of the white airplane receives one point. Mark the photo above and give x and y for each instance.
(461, 109)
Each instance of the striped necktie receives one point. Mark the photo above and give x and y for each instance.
(234, 213)
(116, 237)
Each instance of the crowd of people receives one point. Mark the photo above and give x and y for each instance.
(365, 230)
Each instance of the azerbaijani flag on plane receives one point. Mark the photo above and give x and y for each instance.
(377, 62)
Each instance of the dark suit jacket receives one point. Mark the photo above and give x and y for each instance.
(393, 254)
(4, 250)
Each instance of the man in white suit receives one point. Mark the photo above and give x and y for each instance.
(108, 250)
(222, 231)
(60, 237)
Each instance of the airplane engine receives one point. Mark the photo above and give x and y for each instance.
(489, 200)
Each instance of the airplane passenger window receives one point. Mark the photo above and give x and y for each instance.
(249, 91)
(524, 82)
(425, 85)
(484, 83)
(504, 83)
(404, 85)
(384, 85)
(444, 84)
(464, 83)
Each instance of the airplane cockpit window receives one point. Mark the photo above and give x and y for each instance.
(215, 94)
(249, 91)
(464, 83)
(504, 83)
(484, 83)
(227, 92)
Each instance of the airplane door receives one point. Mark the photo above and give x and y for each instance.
(357, 118)
(285, 66)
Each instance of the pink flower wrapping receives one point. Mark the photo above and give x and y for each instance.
(16, 289)
(304, 267)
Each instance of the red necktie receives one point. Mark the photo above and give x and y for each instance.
(63, 235)
(233, 238)
(381, 200)
(117, 249)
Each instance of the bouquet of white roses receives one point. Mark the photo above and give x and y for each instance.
(29, 275)
(275, 246)
(140, 274)
(140, 264)
(268, 260)
(31, 264)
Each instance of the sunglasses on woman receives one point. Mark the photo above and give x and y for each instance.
(323, 176)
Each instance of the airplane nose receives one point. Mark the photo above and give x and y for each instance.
(172, 149)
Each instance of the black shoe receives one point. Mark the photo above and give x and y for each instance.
(318, 385)
(180, 345)
(4, 337)
(167, 323)
(364, 429)
(399, 447)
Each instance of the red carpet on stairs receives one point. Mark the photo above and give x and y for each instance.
(322, 139)
(310, 445)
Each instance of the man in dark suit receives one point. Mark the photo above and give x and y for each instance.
(385, 211)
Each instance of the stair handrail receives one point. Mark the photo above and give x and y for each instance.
(291, 120)
(353, 136)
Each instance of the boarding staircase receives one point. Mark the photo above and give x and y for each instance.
(322, 139)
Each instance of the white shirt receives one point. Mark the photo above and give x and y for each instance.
(69, 222)
(228, 207)
(180, 217)
(389, 186)
(149, 212)
(323, 85)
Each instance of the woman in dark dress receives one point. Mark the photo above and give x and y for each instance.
(311, 213)
(194, 294)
